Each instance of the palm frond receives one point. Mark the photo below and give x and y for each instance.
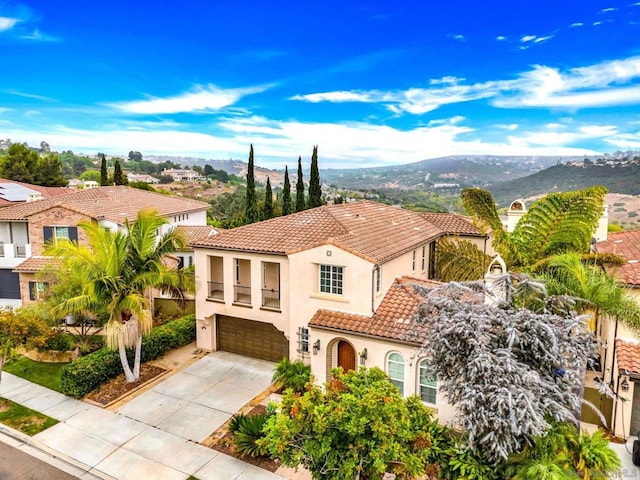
(459, 260)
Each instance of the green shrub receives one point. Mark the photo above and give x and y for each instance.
(236, 421)
(63, 342)
(89, 372)
(249, 431)
(294, 375)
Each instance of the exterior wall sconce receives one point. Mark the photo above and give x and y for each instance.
(363, 357)
(316, 347)
(625, 385)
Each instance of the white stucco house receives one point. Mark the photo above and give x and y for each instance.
(310, 285)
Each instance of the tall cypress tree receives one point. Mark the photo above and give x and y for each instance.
(104, 175)
(286, 193)
(300, 188)
(118, 178)
(315, 192)
(268, 201)
(251, 202)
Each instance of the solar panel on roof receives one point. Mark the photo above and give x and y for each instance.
(14, 192)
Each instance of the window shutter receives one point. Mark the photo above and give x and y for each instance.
(32, 289)
(73, 234)
(48, 234)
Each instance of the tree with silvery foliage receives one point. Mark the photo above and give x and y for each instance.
(511, 366)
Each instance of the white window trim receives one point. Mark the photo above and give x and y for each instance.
(334, 284)
(420, 385)
(403, 363)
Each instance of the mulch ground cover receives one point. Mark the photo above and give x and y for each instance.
(118, 387)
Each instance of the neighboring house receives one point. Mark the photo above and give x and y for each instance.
(26, 227)
(619, 345)
(193, 233)
(259, 286)
(182, 175)
(142, 178)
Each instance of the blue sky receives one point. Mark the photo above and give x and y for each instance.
(370, 83)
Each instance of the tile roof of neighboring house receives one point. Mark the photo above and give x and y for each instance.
(46, 192)
(627, 245)
(115, 203)
(393, 319)
(628, 356)
(35, 264)
(452, 223)
(192, 233)
(371, 230)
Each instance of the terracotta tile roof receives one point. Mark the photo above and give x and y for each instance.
(452, 223)
(627, 245)
(628, 356)
(35, 264)
(394, 318)
(371, 230)
(192, 233)
(115, 203)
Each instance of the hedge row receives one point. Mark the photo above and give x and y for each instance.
(89, 372)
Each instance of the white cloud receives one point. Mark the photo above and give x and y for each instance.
(278, 142)
(341, 96)
(543, 39)
(7, 23)
(32, 113)
(576, 24)
(501, 38)
(199, 99)
(38, 36)
(446, 80)
(528, 38)
(459, 37)
(595, 24)
(510, 126)
(608, 10)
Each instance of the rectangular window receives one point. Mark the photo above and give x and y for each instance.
(53, 234)
(413, 261)
(237, 270)
(38, 290)
(331, 279)
(395, 370)
(303, 340)
(432, 260)
(427, 383)
(424, 257)
(378, 278)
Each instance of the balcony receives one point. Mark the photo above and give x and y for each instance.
(241, 295)
(21, 251)
(216, 291)
(271, 298)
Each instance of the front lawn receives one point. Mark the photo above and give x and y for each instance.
(42, 373)
(24, 419)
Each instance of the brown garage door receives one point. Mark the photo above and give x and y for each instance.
(250, 338)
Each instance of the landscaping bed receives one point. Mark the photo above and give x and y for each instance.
(225, 445)
(118, 387)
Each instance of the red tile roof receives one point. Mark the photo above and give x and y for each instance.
(394, 318)
(115, 203)
(628, 356)
(35, 264)
(371, 230)
(452, 223)
(627, 245)
(192, 233)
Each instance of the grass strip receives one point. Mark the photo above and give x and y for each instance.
(23, 419)
(43, 373)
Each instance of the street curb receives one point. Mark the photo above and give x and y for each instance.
(50, 456)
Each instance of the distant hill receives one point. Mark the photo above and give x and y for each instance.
(618, 177)
(451, 172)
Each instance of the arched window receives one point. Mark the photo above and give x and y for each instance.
(427, 386)
(395, 370)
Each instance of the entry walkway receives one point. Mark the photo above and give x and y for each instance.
(155, 434)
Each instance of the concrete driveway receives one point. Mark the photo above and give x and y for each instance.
(155, 434)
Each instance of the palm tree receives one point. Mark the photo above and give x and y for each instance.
(116, 271)
(560, 222)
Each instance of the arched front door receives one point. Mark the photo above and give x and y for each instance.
(346, 356)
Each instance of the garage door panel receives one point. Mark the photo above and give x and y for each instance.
(251, 338)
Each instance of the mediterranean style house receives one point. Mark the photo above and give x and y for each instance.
(26, 227)
(620, 345)
(268, 290)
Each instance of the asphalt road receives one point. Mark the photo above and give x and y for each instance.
(17, 465)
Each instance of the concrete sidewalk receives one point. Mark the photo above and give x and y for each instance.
(155, 434)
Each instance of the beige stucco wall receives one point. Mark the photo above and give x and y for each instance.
(377, 354)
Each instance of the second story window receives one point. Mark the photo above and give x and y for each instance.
(53, 234)
(424, 257)
(331, 279)
(413, 261)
